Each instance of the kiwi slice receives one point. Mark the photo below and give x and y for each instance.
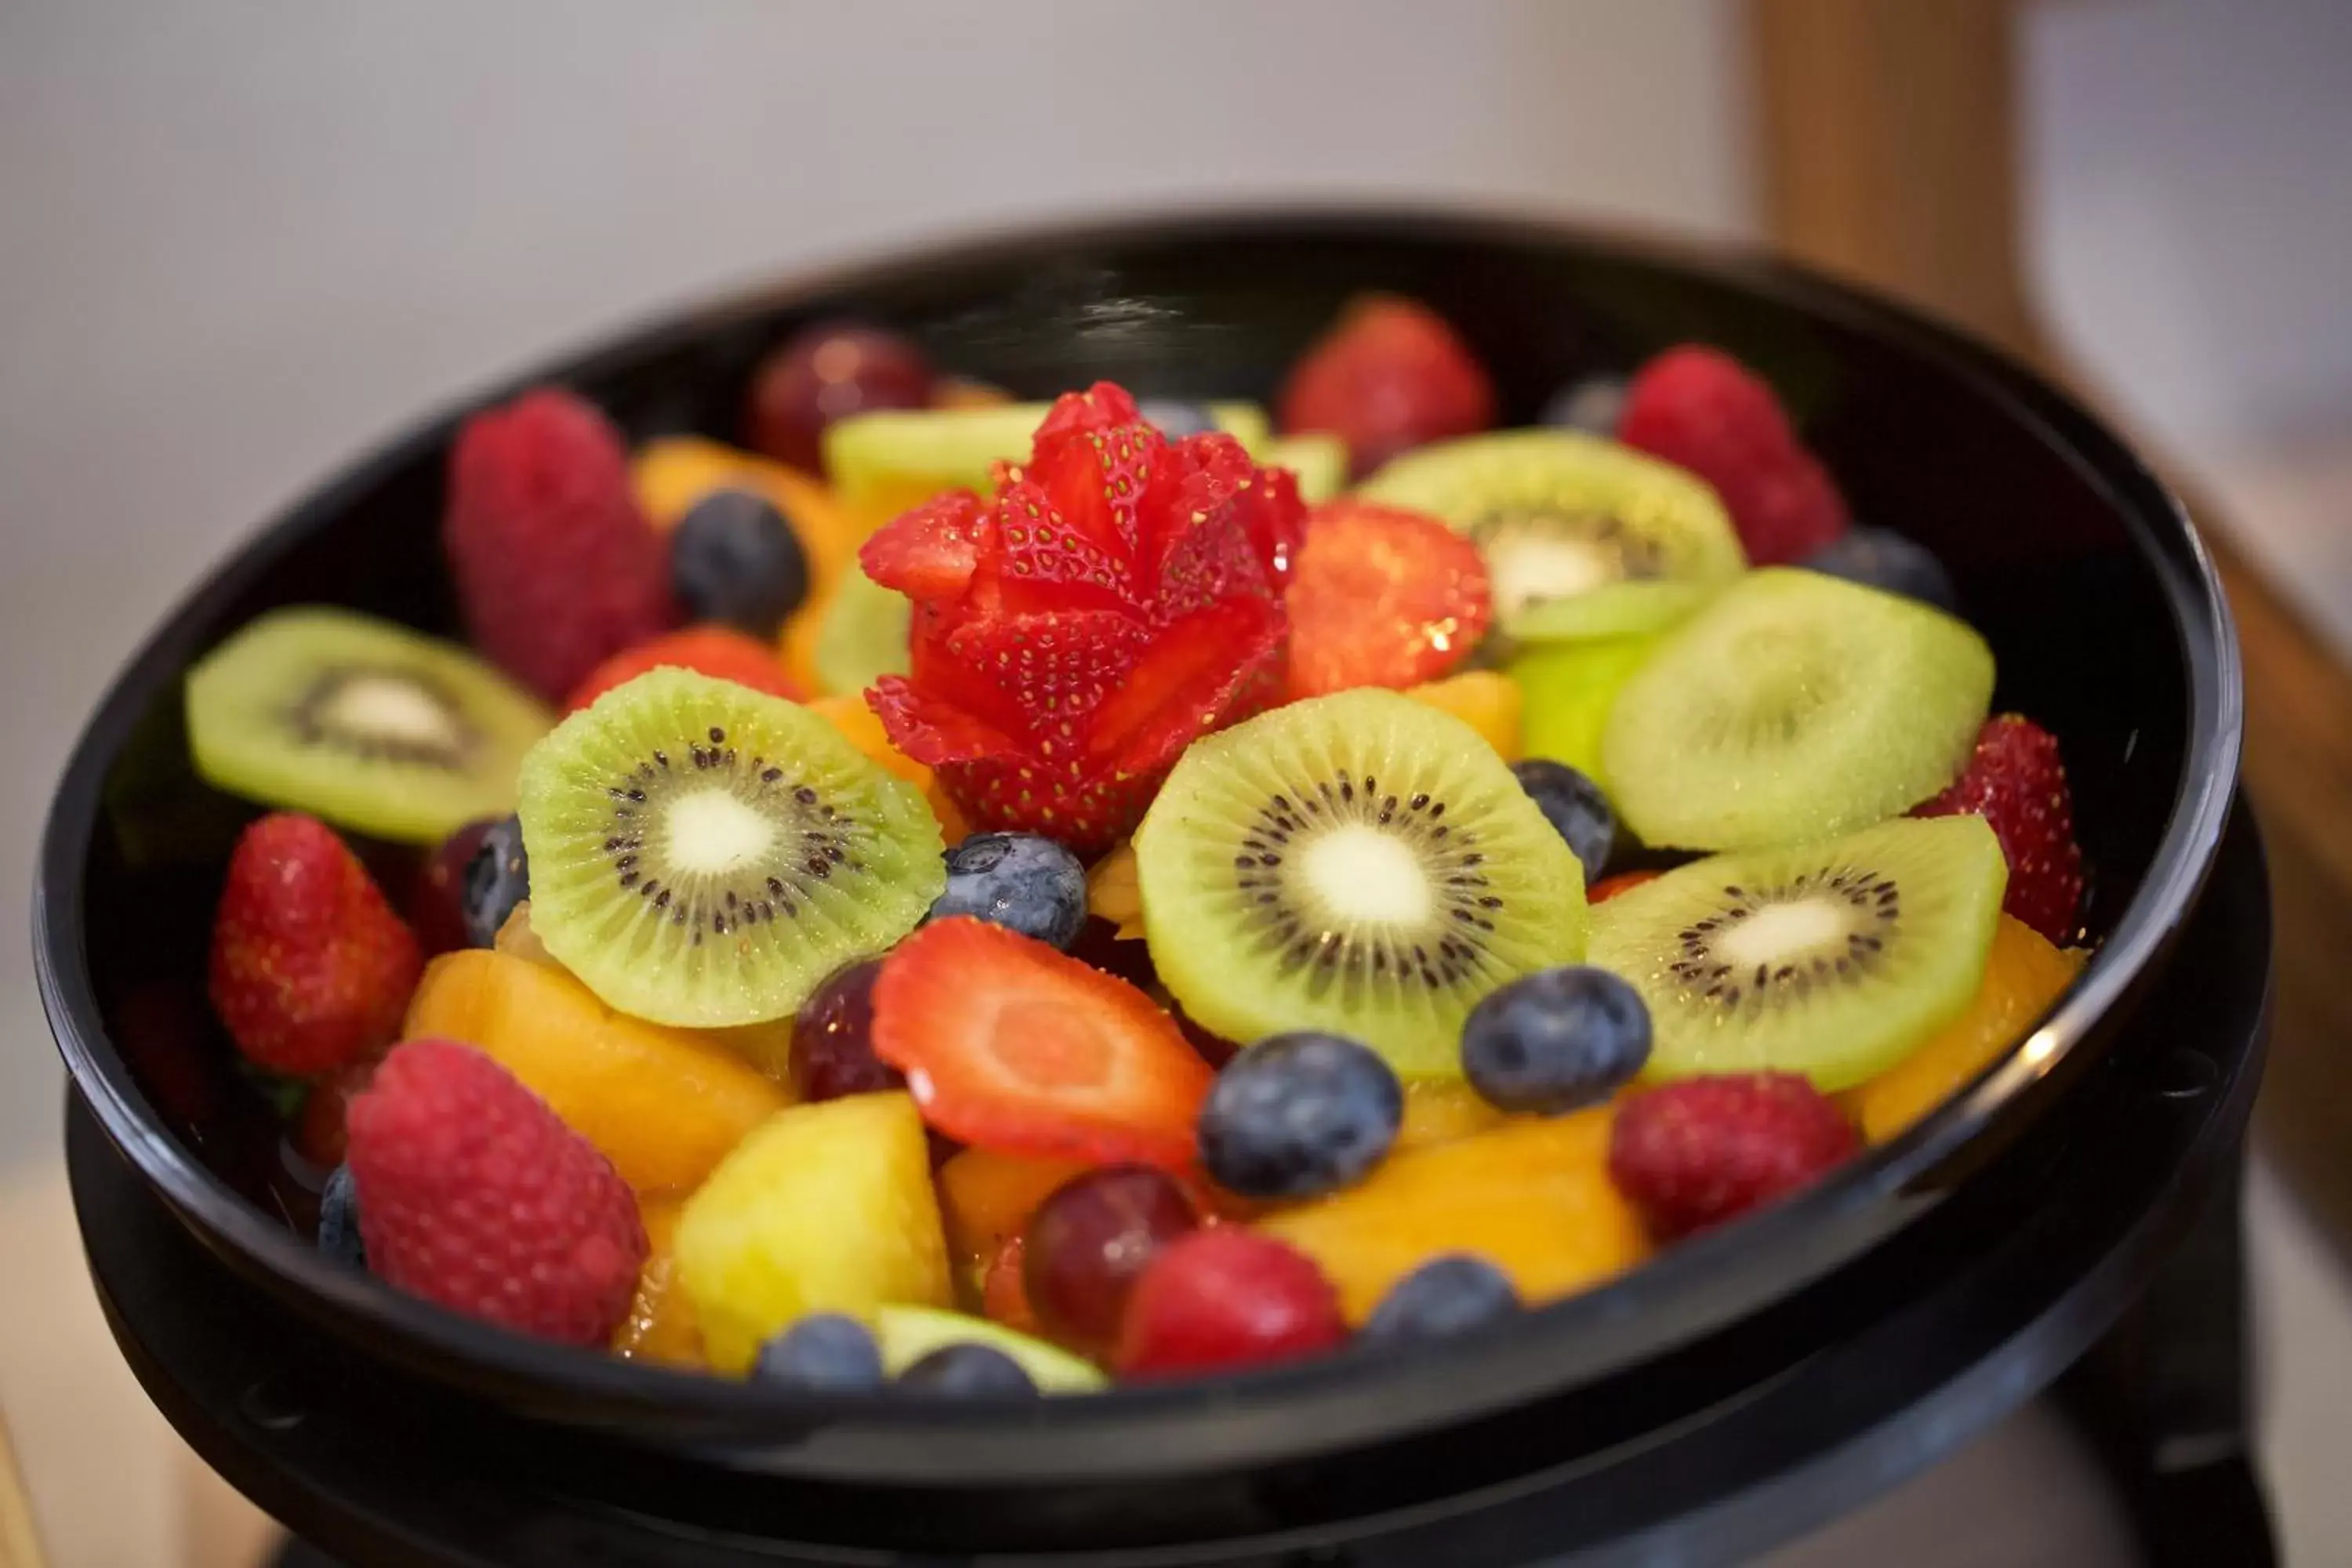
(863, 635)
(1361, 863)
(907, 1334)
(1319, 461)
(1795, 706)
(876, 460)
(703, 854)
(1567, 691)
(366, 724)
(1833, 959)
(1632, 608)
(1561, 517)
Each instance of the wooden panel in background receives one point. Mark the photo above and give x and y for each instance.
(1889, 152)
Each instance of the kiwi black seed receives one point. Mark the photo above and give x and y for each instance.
(1362, 864)
(703, 854)
(1833, 959)
(364, 723)
(1566, 522)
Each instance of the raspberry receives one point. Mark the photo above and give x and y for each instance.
(1694, 1153)
(556, 568)
(475, 1196)
(1701, 409)
(309, 970)
(2015, 781)
(1225, 1297)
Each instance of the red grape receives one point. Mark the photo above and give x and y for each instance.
(1089, 1241)
(825, 372)
(832, 1038)
(436, 909)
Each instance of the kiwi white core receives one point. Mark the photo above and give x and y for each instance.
(394, 707)
(713, 833)
(1528, 567)
(1370, 874)
(1777, 932)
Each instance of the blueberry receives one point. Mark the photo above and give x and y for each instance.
(1881, 558)
(1298, 1114)
(497, 878)
(825, 1353)
(339, 1219)
(969, 1372)
(1591, 406)
(1446, 1296)
(1178, 419)
(1575, 806)
(734, 559)
(1555, 1040)
(1018, 880)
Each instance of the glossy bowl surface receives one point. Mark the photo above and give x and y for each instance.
(2071, 557)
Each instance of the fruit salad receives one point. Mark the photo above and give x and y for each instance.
(982, 900)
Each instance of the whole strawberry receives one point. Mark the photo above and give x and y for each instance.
(474, 1195)
(556, 568)
(1701, 1151)
(310, 969)
(1700, 409)
(2015, 781)
(1389, 375)
(1119, 597)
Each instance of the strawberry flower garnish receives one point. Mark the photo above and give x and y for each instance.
(1119, 597)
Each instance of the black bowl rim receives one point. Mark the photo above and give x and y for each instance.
(1311, 1406)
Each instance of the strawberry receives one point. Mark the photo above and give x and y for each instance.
(1699, 1151)
(1117, 597)
(1390, 374)
(719, 652)
(1225, 1297)
(473, 1194)
(1381, 597)
(1608, 888)
(1009, 1044)
(1004, 1297)
(2015, 781)
(1700, 409)
(310, 969)
(556, 567)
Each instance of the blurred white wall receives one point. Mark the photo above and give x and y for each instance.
(2189, 206)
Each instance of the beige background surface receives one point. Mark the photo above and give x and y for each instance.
(240, 240)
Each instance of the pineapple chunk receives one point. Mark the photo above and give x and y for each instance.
(1532, 1197)
(824, 1208)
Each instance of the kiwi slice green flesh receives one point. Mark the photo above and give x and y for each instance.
(1833, 959)
(1567, 691)
(907, 1334)
(1561, 517)
(1628, 608)
(864, 634)
(363, 723)
(1795, 706)
(703, 854)
(1318, 462)
(1358, 863)
(880, 454)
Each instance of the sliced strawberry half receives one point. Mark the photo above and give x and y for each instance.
(1009, 1044)
(1382, 596)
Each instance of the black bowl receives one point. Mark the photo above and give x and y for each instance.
(2070, 556)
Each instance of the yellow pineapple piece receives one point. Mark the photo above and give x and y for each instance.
(825, 1208)
(1531, 1196)
(663, 1104)
(2023, 975)
(1486, 699)
(1113, 893)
